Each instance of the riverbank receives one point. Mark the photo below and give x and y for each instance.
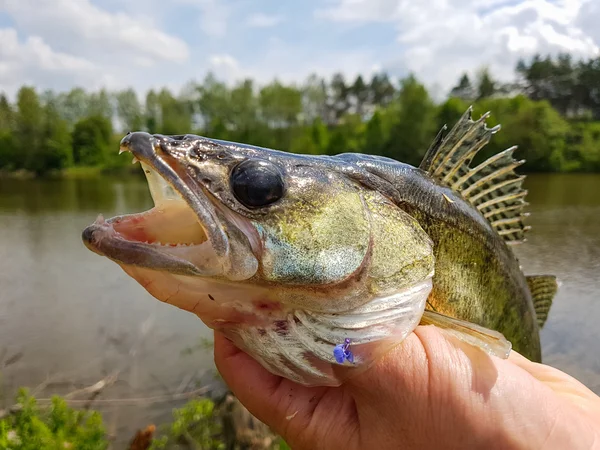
(72, 173)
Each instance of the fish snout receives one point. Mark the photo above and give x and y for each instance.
(139, 143)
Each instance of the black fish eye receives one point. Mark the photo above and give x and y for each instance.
(256, 183)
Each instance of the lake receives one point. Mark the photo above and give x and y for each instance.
(69, 317)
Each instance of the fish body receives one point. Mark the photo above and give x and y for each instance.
(318, 265)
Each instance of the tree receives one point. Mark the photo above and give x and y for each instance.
(91, 138)
(280, 105)
(374, 136)
(314, 100)
(587, 88)
(319, 135)
(339, 101)
(450, 111)
(244, 107)
(464, 89)
(413, 126)
(57, 152)
(348, 136)
(7, 142)
(153, 113)
(486, 86)
(129, 110)
(74, 105)
(28, 127)
(214, 105)
(100, 104)
(176, 114)
(381, 90)
(360, 94)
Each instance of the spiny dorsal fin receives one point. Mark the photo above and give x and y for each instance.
(543, 289)
(492, 187)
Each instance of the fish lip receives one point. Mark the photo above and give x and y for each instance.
(101, 238)
(146, 147)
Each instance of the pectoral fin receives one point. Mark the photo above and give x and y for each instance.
(490, 341)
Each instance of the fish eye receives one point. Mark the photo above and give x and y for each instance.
(256, 183)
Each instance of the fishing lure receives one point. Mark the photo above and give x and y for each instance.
(342, 353)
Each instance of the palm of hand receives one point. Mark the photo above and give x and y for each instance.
(431, 391)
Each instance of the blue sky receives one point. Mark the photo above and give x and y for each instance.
(60, 44)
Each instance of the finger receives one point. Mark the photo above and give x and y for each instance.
(283, 405)
(561, 383)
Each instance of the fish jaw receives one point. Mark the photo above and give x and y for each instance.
(186, 233)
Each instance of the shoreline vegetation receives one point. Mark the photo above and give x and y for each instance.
(551, 111)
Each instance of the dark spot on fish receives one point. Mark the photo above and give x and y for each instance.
(147, 171)
(267, 306)
(281, 326)
(262, 331)
(211, 297)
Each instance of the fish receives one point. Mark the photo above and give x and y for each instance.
(318, 265)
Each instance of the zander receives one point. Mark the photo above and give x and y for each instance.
(318, 265)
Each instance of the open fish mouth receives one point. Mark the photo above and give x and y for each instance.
(184, 233)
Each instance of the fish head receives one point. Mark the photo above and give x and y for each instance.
(270, 248)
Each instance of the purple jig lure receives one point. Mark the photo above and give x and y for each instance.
(342, 353)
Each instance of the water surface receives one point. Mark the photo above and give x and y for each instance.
(75, 317)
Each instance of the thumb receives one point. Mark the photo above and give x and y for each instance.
(283, 405)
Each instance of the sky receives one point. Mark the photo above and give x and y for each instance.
(116, 44)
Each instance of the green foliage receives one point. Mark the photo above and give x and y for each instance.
(55, 427)
(548, 111)
(413, 123)
(91, 137)
(486, 86)
(28, 128)
(535, 127)
(195, 424)
(129, 110)
(176, 115)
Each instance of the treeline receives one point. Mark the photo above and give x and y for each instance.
(551, 110)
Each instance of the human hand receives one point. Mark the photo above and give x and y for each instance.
(431, 391)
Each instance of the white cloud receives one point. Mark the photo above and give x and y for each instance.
(361, 11)
(34, 62)
(59, 44)
(589, 18)
(225, 67)
(260, 20)
(441, 39)
(83, 28)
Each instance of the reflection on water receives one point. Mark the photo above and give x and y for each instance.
(74, 313)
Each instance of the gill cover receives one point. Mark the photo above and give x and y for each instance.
(320, 234)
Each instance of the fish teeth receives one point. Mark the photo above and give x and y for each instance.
(134, 160)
